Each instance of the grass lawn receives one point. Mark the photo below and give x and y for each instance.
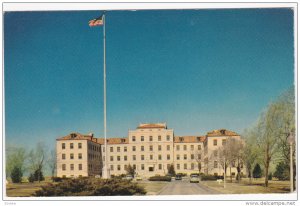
(245, 187)
(25, 189)
(153, 187)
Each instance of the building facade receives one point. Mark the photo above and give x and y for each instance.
(151, 149)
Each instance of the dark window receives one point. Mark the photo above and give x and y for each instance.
(133, 138)
(63, 146)
(142, 138)
(150, 138)
(63, 167)
(72, 167)
(80, 167)
(63, 156)
(79, 145)
(71, 146)
(79, 156)
(215, 142)
(168, 137)
(159, 138)
(71, 156)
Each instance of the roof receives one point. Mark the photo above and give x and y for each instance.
(78, 136)
(114, 140)
(221, 132)
(189, 139)
(152, 126)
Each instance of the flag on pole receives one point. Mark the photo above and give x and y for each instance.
(96, 22)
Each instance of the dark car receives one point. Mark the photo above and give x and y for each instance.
(178, 177)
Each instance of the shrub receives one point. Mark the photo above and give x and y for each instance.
(38, 175)
(282, 171)
(91, 187)
(171, 170)
(160, 178)
(57, 179)
(211, 177)
(182, 174)
(16, 174)
(31, 178)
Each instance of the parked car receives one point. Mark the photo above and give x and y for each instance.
(128, 177)
(138, 178)
(194, 179)
(178, 177)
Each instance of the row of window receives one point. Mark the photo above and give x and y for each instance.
(159, 148)
(216, 142)
(79, 145)
(64, 167)
(90, 156)
(142, 138)
(198, 156)
(193, 166)
(134, 157)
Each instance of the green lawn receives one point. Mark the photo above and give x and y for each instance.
(245, 187)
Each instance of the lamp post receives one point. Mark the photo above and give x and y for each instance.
(291, 140)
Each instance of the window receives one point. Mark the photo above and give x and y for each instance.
(184, 147)
(192, 147)
(111, 167)
(103, 149)
(151, 148)
(223, 142)
(168, 137)
(185, 166)
(215, 164)
(125, 167)
(125, 149)
(168, 157)
(150, 138)
(133, 138)
(185, 156)
(159, 138)
(118, 149)
(199, 147)
(63, 145)
(71, 145)
(177, 147)
(123, 140)
(79, 145)
(181, 139)
(192, 166)
(111, 149)
(119, 167)
(71, 156)
(125, 158)
(178, 166)
(142, 167)
(118, 158)
(222, 131)
(111, 158)
(159, 147)
(199, 156)
(79, 156)
(159, 157)
(133, 157)
(142, 138)
(142, 148)
(215, 153)
(198, 139)
(168, 147)
(71, 166)
(134, 166)
(142, 157)
(215, 142)
(159, 166)
(133, 148)
(63, 167)
(151, 157)
(192, 156)
(63, 156)
(80, 167)
(178, 157)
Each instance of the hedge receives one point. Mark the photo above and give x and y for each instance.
(160, 178)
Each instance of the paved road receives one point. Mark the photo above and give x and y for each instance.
(184, 187)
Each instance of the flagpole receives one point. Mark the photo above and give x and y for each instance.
(105, 175)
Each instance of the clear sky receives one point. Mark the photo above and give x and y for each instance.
(197, 70)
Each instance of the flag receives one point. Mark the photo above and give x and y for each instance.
(96, 22)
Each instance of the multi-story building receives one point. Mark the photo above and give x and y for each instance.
(151, 149)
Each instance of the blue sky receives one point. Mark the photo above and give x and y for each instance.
(197, 70)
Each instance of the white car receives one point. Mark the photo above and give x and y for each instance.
(194, 179)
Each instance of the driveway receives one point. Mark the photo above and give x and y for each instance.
(184, 187)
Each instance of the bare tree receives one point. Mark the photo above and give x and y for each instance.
(52, 162)
(36, 159)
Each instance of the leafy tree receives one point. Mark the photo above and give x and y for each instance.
(171, 170)
(16, 174)
(15, 158)
(257, 173)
